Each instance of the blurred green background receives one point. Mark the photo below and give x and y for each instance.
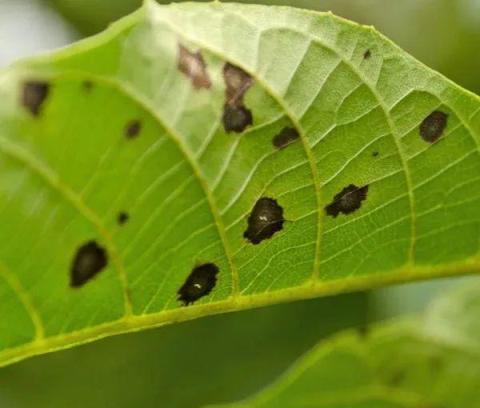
(226, 357)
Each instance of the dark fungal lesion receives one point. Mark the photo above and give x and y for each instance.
(347, 201)
(432, 127)
(194, 67)
(122, 217)
(367, 54)
(264, 221)
(33, 95)
(89, 260)
(236, 116)
(199, 283)
(132, 129)
(287, 136)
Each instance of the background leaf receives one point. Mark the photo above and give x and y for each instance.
(112, 126)
(430, 361)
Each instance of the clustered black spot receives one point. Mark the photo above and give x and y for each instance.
(264, 221)
(287, 136)
(433, 125)
(89, 260)
(236, 116)
(199, 283)
(194, 67)
(347, 201)
(34, 94)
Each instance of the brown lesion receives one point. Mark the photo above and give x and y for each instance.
(236, 116)
(433, 126)
(194, 67)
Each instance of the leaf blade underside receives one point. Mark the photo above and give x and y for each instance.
(133, 123)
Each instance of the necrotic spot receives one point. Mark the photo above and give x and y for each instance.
(287, 136)
(87, 85)
(89, 260)
(34, 94)
(199, 283)
(347, 201)
(375, 154)
(367, 54)
(122, 217)
(132, 129)
(433, 126)
(236, 119)
(236, 116)
(265, 220)
(194, 67)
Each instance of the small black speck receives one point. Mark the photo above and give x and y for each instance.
(287, 136)
(264, 221)
(236, 119)
(87, 85)
(347, 201)
(375, 154)
(89, 260)
(433, 126)
(122, 217)
(367, 54)
(199, 283)
(132, 129)
(34, 94)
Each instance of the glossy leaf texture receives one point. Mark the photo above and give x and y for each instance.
(430, 361)
(200, 158)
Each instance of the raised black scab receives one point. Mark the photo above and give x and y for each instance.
(122, 217)
(34, 94)
(132, 129)
(89, 260)
(433, 126)
(193, 66)
(199, 283)
(236, 119)
(264, 221)
(287, 136)
(347, 201)
(367, 54)
(236, 116)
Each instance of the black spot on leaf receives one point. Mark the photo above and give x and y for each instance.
(199, 283)
(375, 154)
(433, 126)
(87, 85)
(89, 260)
(34, 94)
(367, 54)
(236, 119)
(347, 201)
(287, 136)
(236, 116)
(132, 129)
(194, 67)
(265, 220)
(122, 217)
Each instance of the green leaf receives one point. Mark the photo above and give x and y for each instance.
(135, 158)
(430, 361)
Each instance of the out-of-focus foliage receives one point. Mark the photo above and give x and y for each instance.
(216, 359)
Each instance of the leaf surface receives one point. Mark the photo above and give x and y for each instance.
(195, 159)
